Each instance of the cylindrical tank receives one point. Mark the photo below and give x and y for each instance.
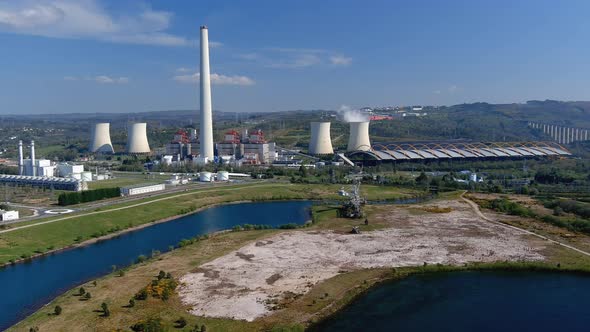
(86, 176)
(320, 142)
(359, 137)
(205, 177)
(137, 141)
(100, 140)
(222, 176)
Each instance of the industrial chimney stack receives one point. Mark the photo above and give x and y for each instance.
(33, 168)
(21, 159)
(206, 134)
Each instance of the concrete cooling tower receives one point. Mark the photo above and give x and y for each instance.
(100, 140)
(320, 142)
(137, 141)
(359, 137)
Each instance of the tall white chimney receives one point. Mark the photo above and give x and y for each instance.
(33, 166)
(206, 134)
(20, 158)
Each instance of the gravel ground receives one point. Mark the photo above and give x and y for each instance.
(241, 284)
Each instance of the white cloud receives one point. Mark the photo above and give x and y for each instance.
(294, 58)
(452, 89)
(216, 79)
(340, 60)
(87, 19)
(111, 80)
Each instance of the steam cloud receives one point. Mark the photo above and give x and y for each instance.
(348, 114)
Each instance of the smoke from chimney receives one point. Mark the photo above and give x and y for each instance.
(347, 114)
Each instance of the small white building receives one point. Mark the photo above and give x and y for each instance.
(66, 170)
(6, 215)
(141, 189)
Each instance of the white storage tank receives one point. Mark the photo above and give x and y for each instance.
(86, 176)
(222, 176)
(205, 177)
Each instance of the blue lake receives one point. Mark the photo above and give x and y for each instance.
(471, 301)
(28, 286)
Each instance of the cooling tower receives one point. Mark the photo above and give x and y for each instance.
(206, 134)
(100, 140)
(320, 142)
(137, 141)
(359, 137)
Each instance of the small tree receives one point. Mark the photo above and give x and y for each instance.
(121, 273)
(82, 291)
(57, 310)
(105, 309)
(161, 275)
(131, 303)
(203, 328)
(87, 296)
(94, 283)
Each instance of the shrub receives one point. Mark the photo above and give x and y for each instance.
(87, 296)
(180, 322)
(140, 259)
(57, 310)
(131, 303)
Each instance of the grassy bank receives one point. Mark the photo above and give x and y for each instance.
(72, 230)
(323, 300)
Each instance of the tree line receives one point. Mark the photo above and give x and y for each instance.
(72, 198)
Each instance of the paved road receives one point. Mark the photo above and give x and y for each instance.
(481, 215)
(131, 206)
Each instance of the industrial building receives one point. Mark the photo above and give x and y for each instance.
(141, 189)
(44, 182)
(250, 148)
(33, 166)
(380, 153)
(7, 215)
(137, 141)
(182, 145)
(320, 142)
(67, 170)
(100, 139)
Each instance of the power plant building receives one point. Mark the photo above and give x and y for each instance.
(44, 182)
(250, 148)
(100, 141)
(137, 141)
(320, 142)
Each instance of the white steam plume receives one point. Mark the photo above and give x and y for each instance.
(347, 114)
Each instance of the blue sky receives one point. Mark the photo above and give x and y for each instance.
(62, 56)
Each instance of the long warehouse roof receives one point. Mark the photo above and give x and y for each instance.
(421, 151)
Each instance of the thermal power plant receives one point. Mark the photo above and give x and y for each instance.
(100, 140)
(206, 134)
(359, 137)
(137, 141)
(320, 142)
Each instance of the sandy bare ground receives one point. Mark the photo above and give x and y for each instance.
(241, 284)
